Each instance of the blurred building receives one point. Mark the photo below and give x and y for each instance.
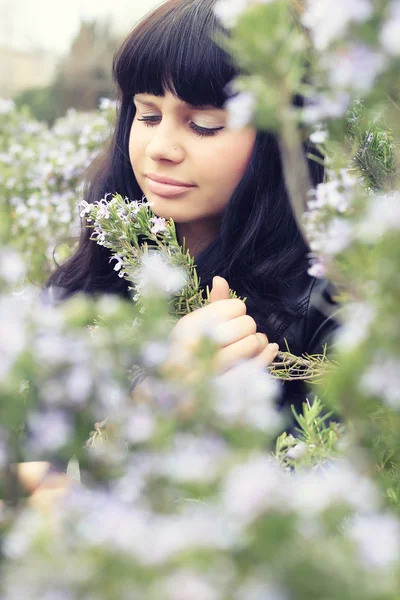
(84, 75)
(21, 70)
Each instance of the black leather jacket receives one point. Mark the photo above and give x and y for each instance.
(319, 320)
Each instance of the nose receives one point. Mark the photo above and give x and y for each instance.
(164, 143)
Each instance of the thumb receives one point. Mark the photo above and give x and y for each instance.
(219, 290)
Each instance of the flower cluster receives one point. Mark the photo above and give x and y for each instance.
(41, 172)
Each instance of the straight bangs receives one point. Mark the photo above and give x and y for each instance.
(173, 49)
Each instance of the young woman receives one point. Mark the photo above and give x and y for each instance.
(224, 188)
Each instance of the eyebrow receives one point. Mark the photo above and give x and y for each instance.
(191, 106)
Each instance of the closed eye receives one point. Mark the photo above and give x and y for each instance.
(200, 131)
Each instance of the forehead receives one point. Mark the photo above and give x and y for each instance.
(150, 100)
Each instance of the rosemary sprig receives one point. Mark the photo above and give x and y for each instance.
(131, 230)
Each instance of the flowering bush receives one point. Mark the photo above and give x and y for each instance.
(186, 491)
(41, 172)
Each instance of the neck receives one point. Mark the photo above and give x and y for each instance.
(197, 236)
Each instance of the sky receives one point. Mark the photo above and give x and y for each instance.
(52, 24)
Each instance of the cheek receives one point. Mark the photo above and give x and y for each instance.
(134, 148)
(229, 161)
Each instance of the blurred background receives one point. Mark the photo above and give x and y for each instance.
(57, 54)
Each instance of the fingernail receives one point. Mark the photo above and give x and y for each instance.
(273, 347)
(262, 338)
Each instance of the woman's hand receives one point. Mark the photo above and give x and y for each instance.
(44, 485)
(235, 331)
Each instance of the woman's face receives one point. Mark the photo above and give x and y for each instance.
(168, 145)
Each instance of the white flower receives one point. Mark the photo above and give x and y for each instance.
(319, 136)
(390, 38)
(119, 264)
(106, 103)
(253, 487)
(382, 378)
(338, 483)
(185, 584)
(86, 208)
(240, 110)
(322, 107)
(339, 235)
(12, 267)
(159, 225)
(157, 275)
(229, 11)
(103, 210)
(245, 396)
(49, 430)
(329, 21)
(139, 424)
(6, 106)
(254, 589)
(297, 451)
(193, 459)
(358, 318)
(383, 215)
(377, 537)
(317, 269)
(354, 66)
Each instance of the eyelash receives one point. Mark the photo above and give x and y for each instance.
(200, 131)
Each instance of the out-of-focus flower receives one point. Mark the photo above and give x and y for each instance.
(139, 424)
(194, 459)
(106, 103)
(6, 106)
(382, 216)
(184, 584)
(157, 275)
(314, 492)
(3, 449)
(240, 110)
(321, 107)
(390, 38)
(251, 392)
(377, 537)
(354, 66)
(327, 21)
(229, 11)
(253, 487)
(319, 136)
(260, 589)
(317, 269)
(335, 193)
(357, 319)
(382, 379)
(339, 235)
(49, 430)
(12, 267)
(13, 333)
(297, 451)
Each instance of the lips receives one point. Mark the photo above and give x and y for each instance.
(168, 180)
(167, 190)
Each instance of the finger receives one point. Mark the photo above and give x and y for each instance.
(267, 355)
(234, 330)
(46, 498)
(207, 316)
(31, 474)
(220, 289)
(246, 348)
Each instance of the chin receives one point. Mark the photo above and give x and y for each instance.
(162, 208)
